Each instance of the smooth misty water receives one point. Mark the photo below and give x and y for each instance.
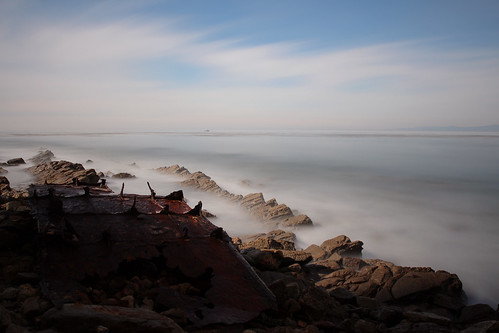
(415, 200)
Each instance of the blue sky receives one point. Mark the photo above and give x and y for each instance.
(174, 65)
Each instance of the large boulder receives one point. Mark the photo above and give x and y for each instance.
(63, 172)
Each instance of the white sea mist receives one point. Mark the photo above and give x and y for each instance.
(414, 199)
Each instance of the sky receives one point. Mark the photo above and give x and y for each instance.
(111, 66)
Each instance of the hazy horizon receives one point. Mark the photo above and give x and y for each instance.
(100, 66)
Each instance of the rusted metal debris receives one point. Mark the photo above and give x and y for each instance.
(87, 235)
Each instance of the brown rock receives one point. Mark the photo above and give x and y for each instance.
(296, 221)
(316, 251)
(415, 282)
(252, 200)
(342, 245)
(277, 212)
(268, 243)
(63, 172)
(2, 170)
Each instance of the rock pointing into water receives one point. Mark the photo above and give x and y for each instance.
(273, 214)
(63, 172)
(44, 156)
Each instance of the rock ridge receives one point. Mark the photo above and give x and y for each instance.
(271, 213)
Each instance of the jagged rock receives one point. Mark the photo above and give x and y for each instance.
(343, 246)
(16, 161)
(123, 175)
(43, 156)
(63, 172)
(86, 318)
(282, 235)
(174, 169)
(252, 200)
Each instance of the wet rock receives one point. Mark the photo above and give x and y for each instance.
(63, 172)
(89, 161)
(123, 175)
(43, 156)
(86, 318)
(343, 246)
(2, 170)
(15, 161)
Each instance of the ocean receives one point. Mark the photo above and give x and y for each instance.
(413, 198)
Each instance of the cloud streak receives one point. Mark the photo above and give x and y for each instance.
(78, 74)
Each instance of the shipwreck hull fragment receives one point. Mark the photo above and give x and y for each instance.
(87, 236)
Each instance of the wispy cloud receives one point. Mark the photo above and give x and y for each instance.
(90, 71)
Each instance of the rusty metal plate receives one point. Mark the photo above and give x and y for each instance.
(87, 236)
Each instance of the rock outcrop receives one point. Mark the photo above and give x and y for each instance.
(123, 175)
(63, 172)
(273, 214)
(43, 156)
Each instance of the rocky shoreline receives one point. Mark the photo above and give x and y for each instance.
(323, 288)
